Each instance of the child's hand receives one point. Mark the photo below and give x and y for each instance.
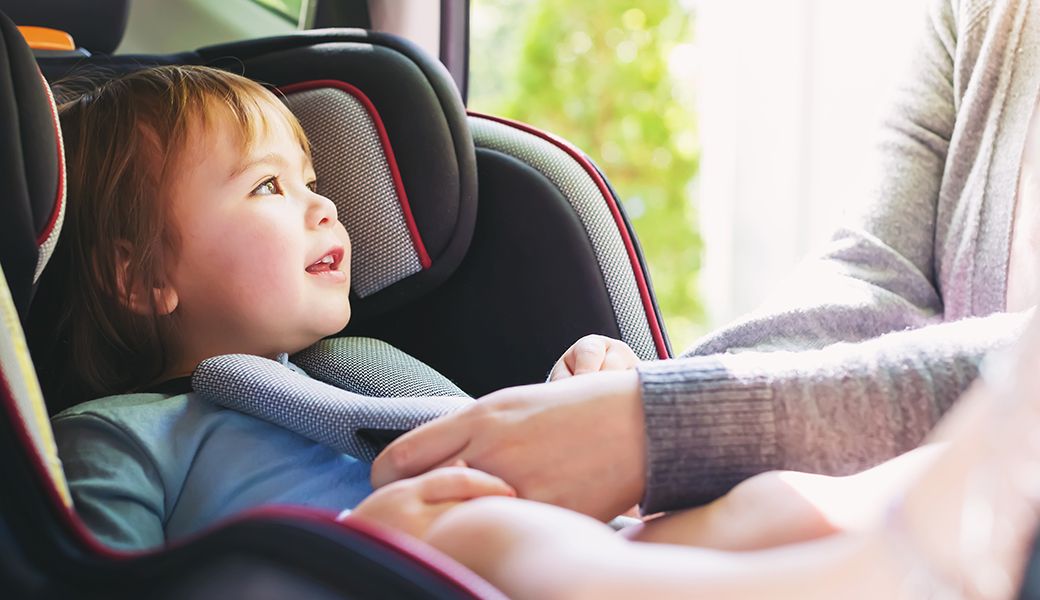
(412, 505)
(594, 353)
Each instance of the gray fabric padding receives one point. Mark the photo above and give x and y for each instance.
(354, 172)
(326, 414)
(372, 367)
(588, 203)
(48, 244)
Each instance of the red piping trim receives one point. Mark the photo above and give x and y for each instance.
(388, 151)
(60, 196)
(416, 551)
(577, 155)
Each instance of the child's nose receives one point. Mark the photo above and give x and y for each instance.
(322, 211)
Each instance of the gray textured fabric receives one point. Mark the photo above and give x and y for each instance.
(372, 367)
(354, 172)
(47, 246)
(344, 420)
(587, 201)
(804, 384)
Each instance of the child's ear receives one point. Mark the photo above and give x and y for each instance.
(141, 300)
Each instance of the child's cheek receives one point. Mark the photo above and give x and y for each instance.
(254, 259)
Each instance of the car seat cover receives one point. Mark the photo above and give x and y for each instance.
(31, 166)
(421, 122)
(16, 370)
(48, 238)
(371, 392)
(357, 171)
(587, 199)
(372, 367)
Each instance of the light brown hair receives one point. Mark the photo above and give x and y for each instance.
(124, 143)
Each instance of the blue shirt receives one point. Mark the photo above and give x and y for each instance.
(148, 467)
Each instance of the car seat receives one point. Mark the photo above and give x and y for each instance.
(542, 255)
(487, 284)
(488, 288)
(47, 553)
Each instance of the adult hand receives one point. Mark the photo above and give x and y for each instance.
(412, 505)
(578, 443)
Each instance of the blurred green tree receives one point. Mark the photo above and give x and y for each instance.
(600, 73)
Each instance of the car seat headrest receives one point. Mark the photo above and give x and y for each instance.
(392, 149)
(390, 139)
(359, 172)
(31, 167)
(97, 25)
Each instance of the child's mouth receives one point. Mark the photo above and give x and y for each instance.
(328, 263)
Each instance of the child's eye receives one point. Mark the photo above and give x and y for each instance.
(269, 187)
(313, 186)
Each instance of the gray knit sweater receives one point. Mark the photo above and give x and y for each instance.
(864, 349)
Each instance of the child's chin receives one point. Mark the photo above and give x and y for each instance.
(336, 325)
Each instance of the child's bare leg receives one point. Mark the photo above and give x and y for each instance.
(785, 507)
(765, 511)
(531, 550)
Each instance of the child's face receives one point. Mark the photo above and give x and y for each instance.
(264, 264)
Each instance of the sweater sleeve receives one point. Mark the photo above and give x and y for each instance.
(878, 272)
(115, 486)
(851, 362)
(713, 421)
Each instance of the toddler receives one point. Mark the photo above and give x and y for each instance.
(194, 229)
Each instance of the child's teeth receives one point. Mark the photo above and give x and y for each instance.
(327, 260)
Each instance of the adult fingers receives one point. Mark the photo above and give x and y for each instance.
(458, 483)
(435, 443)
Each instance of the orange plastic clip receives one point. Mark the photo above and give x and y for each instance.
(45, 38)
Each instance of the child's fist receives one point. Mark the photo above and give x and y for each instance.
(594, 353)
(412, 505)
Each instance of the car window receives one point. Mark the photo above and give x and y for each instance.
(615, 78)
(291, 10)
(167, 26)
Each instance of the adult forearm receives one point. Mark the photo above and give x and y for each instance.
(714, 421)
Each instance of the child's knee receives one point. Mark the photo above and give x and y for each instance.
(785, 505)
(473, 518)
(477, 531)
(485, 529)
(764, 492)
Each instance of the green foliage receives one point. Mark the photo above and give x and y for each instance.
(597, 73)
(287, 9)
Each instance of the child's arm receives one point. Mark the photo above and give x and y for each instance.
(117, 489)
(594, 353)
(412, 505)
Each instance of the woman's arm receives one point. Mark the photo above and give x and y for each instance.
(715, 419)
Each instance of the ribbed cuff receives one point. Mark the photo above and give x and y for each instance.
(706, 431)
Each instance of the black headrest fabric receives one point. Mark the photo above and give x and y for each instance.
(31, 167)
(97, 25)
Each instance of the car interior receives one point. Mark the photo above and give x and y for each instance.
(460, 222)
